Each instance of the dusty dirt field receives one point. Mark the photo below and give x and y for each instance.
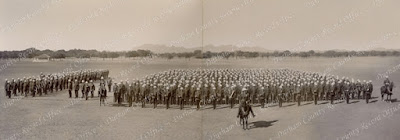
(56, 116)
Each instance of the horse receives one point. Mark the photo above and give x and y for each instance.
(243, 114)
(387, 90)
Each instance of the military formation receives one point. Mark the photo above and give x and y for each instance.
(43, 84)
(234, 86)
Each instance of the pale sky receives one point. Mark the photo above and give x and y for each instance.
(125, 24)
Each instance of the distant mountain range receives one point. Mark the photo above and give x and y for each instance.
(222, 48)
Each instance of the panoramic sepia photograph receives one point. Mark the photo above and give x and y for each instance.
(199, 69)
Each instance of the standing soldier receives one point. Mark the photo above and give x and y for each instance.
(298, 94)
(14, 87)
(122, 91)
(167, 95)
(197, 96)
(226, 94)
(19, 86)
(358, 89)
(280, 96)
(346, 90)
(76, 88)
(332, 91)
(70, 88)
(143, 95)
(33, 87)
(26, 87)
(82, 87)
(213, 97)
(39, 86)
(315, 91)
(102, 91)
(92, 88)
(232, 95)
(261, 96)
(45, 85)
(51, 83)
(109, 83)
(130, 94)
(118, 93)
(180, 97)
(86, 89)
(369, 90)
(115, 88)
(7, 88)
(56, 84)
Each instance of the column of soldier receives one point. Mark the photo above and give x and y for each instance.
(233, 86)
(45, 84)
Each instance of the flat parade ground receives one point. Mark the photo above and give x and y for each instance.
(55, 116)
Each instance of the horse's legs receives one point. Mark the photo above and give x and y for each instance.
(247, 125)
(387, 98)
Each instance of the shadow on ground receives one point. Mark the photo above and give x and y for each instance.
(261, 124)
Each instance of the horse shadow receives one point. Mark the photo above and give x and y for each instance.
(374, 97)
(261, 124)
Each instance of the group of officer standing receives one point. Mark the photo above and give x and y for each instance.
(44, 84)
(233, 86)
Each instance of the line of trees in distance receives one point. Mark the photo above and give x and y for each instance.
(197, 54)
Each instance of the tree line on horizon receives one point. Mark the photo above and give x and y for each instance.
(197, 54)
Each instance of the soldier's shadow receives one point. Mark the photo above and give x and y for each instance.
(374, 101)
(261, 124)
(306, 104)
(119, 105)
(394, 100)
(374, 97)
(323, 103)
(353, 102)
(288, 105)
